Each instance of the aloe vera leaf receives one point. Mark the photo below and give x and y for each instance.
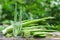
(36, 20)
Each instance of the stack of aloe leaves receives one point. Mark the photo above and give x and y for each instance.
(31, 28)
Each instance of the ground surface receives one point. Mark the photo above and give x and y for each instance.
(18, 38)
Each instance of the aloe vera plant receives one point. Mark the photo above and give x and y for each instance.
(28, 22)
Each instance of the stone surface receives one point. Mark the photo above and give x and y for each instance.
(17, 38)
(53, 39)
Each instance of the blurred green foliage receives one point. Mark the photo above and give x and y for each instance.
(32, 9)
